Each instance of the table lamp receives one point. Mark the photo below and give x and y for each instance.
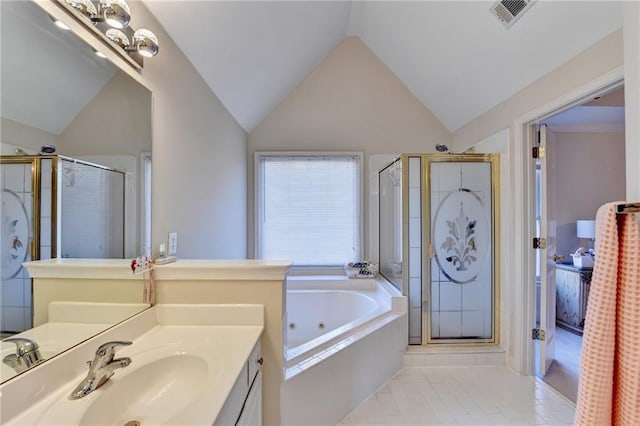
(586, 229)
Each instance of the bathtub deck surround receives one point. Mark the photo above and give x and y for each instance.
(178, 344)
(345, 338)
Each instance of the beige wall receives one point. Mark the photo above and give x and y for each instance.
(29, 138)
(600, 58)
(350, 102)
(117, 121)
(199, 157)
(47, 290)
(589, 171)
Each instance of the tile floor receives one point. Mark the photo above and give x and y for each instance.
(565, 370)
(476, 395)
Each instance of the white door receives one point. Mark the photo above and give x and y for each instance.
(547, 254)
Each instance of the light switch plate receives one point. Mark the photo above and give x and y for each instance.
(173, 244)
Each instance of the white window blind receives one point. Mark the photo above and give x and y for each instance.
(309, 209)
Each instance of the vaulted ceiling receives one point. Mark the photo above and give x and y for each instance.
(454, 56)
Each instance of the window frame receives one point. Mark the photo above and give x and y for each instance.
(258, 155)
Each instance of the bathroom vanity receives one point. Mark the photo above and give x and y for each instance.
(194, 283)
(572, 296)
(187, 364)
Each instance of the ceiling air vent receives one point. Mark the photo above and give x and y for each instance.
(509, 11)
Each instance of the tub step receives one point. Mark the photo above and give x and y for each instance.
(421, 357)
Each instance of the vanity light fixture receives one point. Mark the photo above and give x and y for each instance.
(112, 18)
(116, 13)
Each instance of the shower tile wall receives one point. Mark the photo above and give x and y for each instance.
(45, 209)
(460, 310)
(16, 239)
(415, 252)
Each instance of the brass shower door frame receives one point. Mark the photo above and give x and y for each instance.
(426, 160)
(36, 194)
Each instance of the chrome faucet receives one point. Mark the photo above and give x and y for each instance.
(27, 354)
(101, 369)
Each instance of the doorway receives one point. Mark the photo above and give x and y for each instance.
(582, 167)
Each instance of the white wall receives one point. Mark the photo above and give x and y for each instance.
(350, 102)
(199, 157)
(590, 171)
(600, 58)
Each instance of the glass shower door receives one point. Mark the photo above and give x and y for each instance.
(462, 279)
(91, 211)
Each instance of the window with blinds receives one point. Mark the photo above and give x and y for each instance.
(309, 209)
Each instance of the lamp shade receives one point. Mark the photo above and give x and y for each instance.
(586, 229)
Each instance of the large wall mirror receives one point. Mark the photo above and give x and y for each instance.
(76, 139)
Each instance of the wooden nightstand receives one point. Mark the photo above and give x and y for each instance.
(572, 295)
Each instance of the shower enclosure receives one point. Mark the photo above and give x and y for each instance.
(54, 207)
(438, 243)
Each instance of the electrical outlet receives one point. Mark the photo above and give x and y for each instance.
(173, 244)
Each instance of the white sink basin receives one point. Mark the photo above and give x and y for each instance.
(156, 388)
(152, 394)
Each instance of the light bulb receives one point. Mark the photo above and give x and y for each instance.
(83, 6)
(116, 13)
(146, 43)
(61, 25)
(118, 37)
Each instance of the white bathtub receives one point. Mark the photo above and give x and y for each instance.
(345, 338)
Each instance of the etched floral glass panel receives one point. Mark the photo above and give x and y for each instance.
(16, 202)
(461, 305)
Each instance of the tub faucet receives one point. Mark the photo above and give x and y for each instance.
(27, 354)
(101, 369)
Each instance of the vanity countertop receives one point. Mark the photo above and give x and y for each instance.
(185, 362)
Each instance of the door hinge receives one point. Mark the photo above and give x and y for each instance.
(537, 334)
(537, 152)
(539, 243)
